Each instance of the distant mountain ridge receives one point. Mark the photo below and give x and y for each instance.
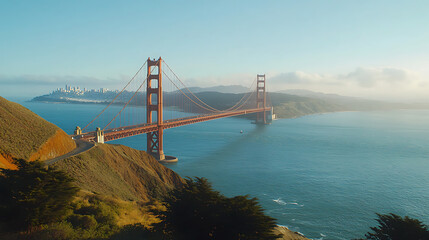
(349, 103)
(320, 95)
(221, 89)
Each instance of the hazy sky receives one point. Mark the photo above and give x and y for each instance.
(374, 49)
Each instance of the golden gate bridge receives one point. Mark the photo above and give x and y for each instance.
(149, 91)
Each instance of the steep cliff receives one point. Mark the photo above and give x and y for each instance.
(24, 134)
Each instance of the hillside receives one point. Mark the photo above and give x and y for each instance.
(220, 88)
(23, 134)
(291, 106)
(351, 103)
(120, 171)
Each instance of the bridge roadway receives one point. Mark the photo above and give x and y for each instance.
(128, 131)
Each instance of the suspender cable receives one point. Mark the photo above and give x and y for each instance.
(188, 96)
(188, 89)
(141, 85)
(132, 79)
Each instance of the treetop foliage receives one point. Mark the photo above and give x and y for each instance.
(394, 227)
(34, 195)
(196, 211)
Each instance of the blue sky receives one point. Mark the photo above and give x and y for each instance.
(359, 48)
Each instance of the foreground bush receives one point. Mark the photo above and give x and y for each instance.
(196, 211)
(394, 227)
(34, 195)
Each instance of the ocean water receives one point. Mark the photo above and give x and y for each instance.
(322, 175)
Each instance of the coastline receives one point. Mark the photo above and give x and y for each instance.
(288, 234)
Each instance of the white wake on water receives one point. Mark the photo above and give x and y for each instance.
(282, 202)
(279, 201)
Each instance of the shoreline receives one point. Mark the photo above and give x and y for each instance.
(288, 234)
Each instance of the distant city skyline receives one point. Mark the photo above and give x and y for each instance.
(372, 49)
(77, 89)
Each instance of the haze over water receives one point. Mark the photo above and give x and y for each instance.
(323, 175)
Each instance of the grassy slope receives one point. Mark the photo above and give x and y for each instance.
(23, 133)
(127, 212)
(290, 106)
(120, 171)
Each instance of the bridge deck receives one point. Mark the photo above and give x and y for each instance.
(128, 131)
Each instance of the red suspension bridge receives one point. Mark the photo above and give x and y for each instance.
(127, 120)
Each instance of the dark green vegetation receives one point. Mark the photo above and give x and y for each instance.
(196, 211)
(394, 227)
(42, 203)
(33, 195)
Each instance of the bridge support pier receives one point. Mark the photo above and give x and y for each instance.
(78, 131)
(100, 136)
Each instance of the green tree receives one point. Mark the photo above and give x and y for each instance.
(394, 227)
(34, 195)
(196, 211)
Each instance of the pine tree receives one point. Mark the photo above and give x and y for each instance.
(394, 227)
(34, 195)
(196, 211)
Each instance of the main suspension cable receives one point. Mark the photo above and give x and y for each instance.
(187, 95)
(244, 95)
(135, 93)
(188, 88)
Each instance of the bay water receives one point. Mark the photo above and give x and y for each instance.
(322, 175)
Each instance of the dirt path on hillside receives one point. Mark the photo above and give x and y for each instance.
(82, 146)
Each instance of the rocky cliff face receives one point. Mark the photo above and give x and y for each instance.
(287, 234)
(121, 172)
(24, 134)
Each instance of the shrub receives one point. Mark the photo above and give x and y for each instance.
(82, 221)
(196, 211)
(34, 195)
(394, 227)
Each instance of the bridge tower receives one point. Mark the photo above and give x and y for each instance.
(261, 101)
(154, 104)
